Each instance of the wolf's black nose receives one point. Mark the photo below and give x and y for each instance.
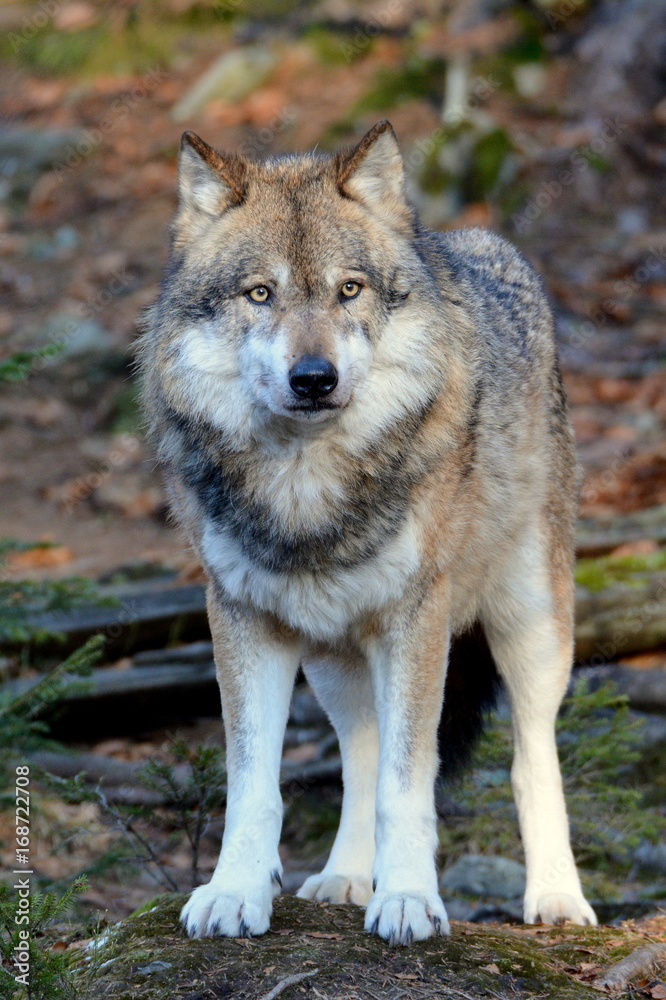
(312, 377)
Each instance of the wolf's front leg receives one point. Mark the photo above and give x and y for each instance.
(408, 663)
(256, 670)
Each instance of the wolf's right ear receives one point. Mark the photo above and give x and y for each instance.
(372, 173)
(209, 182)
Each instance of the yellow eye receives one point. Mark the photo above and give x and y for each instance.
(350, 289)
(259, 294)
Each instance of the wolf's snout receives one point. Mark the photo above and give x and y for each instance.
(313, 377)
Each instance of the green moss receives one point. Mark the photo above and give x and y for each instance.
(148, 39)
(335, 48)
(331, 940)
(126, 416)
(419, 77)
(488, 157)
(597, 574)
(597, 162)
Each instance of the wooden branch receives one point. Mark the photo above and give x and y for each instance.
(286, 982)
(644, 963)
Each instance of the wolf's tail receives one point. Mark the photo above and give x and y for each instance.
(472, 685)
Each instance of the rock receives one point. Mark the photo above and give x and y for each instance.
(478, 875)
(27, 152)
(58, 246)
(79, 337)
(231, 77)
(477, 960)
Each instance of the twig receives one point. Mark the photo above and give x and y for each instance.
(647, 961)
(287, 981)
(130, 831)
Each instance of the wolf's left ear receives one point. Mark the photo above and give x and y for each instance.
(208, 182)
(373, 173)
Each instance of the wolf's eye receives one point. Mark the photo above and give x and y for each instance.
(350, 289)
(259, 294)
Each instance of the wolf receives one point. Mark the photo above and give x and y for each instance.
(364, 434)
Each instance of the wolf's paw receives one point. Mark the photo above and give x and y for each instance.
(212, 912)
(337, 889)
(401, 919)
(559, 908)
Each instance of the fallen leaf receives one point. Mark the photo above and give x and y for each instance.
(491, 968)
(41, 558)
(657, 991)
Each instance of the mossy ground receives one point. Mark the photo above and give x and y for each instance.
(476, 961)
(598, 574)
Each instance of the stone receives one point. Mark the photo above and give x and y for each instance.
(231, 77)
(478, 875)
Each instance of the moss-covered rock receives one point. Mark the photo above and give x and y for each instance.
(148, 957)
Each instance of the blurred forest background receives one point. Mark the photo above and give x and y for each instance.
(543, 119)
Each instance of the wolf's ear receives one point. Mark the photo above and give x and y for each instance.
(373, 174)
(207, 181)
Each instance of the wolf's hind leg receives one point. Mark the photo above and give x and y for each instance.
(344, 690)
(529, 629)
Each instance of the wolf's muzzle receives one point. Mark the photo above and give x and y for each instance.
(313, 377)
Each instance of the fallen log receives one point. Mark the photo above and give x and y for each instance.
(645, 689)
(615, 617)
(621, 618)
(121, 779)
(626, 619)
(131, 617)
(597, 537)
(117, 702)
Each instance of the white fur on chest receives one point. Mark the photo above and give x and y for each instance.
(322, 605)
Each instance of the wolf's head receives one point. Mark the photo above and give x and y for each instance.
(296, 288)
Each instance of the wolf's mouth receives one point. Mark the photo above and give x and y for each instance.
(314, 406)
